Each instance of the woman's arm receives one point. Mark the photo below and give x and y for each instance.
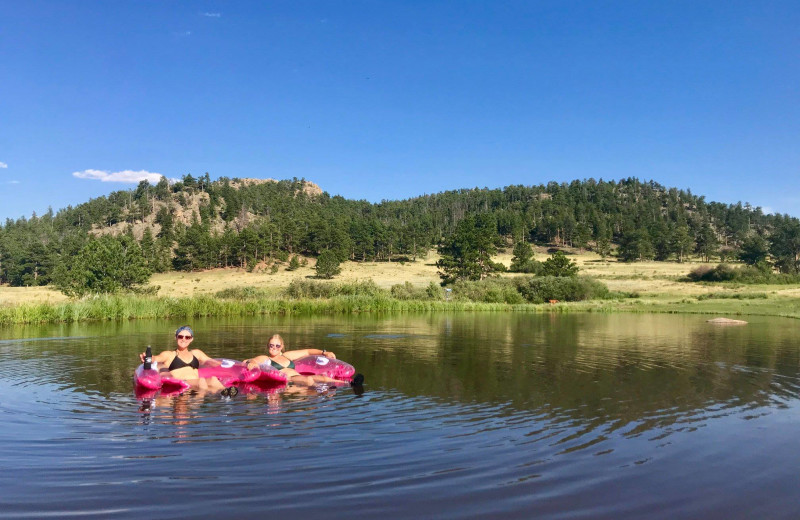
(297, 354)
(161, 358)
(255, 361)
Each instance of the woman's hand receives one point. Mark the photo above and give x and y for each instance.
(328, 354)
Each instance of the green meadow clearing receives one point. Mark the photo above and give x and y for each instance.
(646, 286)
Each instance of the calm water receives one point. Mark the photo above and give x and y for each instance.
(463, 415)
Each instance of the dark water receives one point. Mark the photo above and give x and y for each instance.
(463, 415)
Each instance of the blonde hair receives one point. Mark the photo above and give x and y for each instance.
(279, 338)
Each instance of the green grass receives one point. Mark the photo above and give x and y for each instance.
(366, 298)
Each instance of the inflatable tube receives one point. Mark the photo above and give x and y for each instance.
(270, 374)
(228, 371)
(323, 366)
(262, 388)
(152, 379)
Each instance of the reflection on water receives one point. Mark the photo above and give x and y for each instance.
(479, 415)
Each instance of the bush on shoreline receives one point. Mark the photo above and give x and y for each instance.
(562, 288)
(748, 274)
(311, 296)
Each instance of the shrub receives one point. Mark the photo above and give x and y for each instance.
(294, 264)
(241, 293)
(722, 273)
(311, 289)
(328, 265)
(734, 296)
(563, 288)
(407, 291)
(528, 267)
(490, 290)
(434, 291)
(498, 267)
(559, 265)
(700, 273)
(749, 274)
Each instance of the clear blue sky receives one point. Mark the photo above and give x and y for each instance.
(392, 99)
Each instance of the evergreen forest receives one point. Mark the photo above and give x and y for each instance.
(199, 224)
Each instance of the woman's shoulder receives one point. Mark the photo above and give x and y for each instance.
(199, 354)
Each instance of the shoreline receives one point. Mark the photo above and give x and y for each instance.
(657, 287)
(129, 307)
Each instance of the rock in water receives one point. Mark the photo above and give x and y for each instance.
(726, 321)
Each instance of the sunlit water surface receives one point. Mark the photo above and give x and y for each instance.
(462, 415)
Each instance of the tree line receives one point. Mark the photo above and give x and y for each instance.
(197, 224)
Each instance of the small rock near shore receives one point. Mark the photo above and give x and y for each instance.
(726, 321)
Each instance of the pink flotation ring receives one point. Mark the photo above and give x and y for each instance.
(270, 375)
(152, 379)
(228, 371)
(321, 365)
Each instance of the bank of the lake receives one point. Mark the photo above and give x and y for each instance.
(642, 287)
(128, 307)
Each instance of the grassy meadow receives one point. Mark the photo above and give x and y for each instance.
(650, 287)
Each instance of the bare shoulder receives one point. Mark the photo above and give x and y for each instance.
(199, 354)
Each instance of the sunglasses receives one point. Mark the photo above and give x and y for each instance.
(274, 345)
(184, 337)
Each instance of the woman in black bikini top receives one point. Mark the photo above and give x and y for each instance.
(177, 363)
(186, 370)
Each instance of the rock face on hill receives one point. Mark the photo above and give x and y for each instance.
(308, 187)
(185, 208)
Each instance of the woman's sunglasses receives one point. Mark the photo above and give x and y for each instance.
(274, 345)
(184, 337)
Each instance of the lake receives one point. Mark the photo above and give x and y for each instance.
(477, 415)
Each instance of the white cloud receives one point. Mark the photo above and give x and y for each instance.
(212, 15)
(12, 182)
(128, 176)
(3, 165)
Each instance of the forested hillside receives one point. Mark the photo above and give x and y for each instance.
(199, 224)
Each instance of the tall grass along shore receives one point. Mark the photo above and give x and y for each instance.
(248, 302)
(383, 288)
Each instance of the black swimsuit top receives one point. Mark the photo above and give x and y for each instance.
(179, 363)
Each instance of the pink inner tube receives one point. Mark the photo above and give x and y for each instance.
(270, 374)
(321, 365)
(228, 371)
(264, 387)
(152, 379)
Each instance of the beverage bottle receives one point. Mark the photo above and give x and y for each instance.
(148, 358)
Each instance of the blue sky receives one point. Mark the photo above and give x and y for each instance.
(392, 99)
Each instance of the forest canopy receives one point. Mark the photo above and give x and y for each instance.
(200, 224)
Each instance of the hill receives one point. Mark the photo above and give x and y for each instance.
(199, 224)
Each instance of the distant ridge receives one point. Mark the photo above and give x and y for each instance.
(197, 223)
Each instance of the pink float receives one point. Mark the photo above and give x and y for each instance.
(228, 371)
(269, 374)
(152, 379)
(323, 366)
